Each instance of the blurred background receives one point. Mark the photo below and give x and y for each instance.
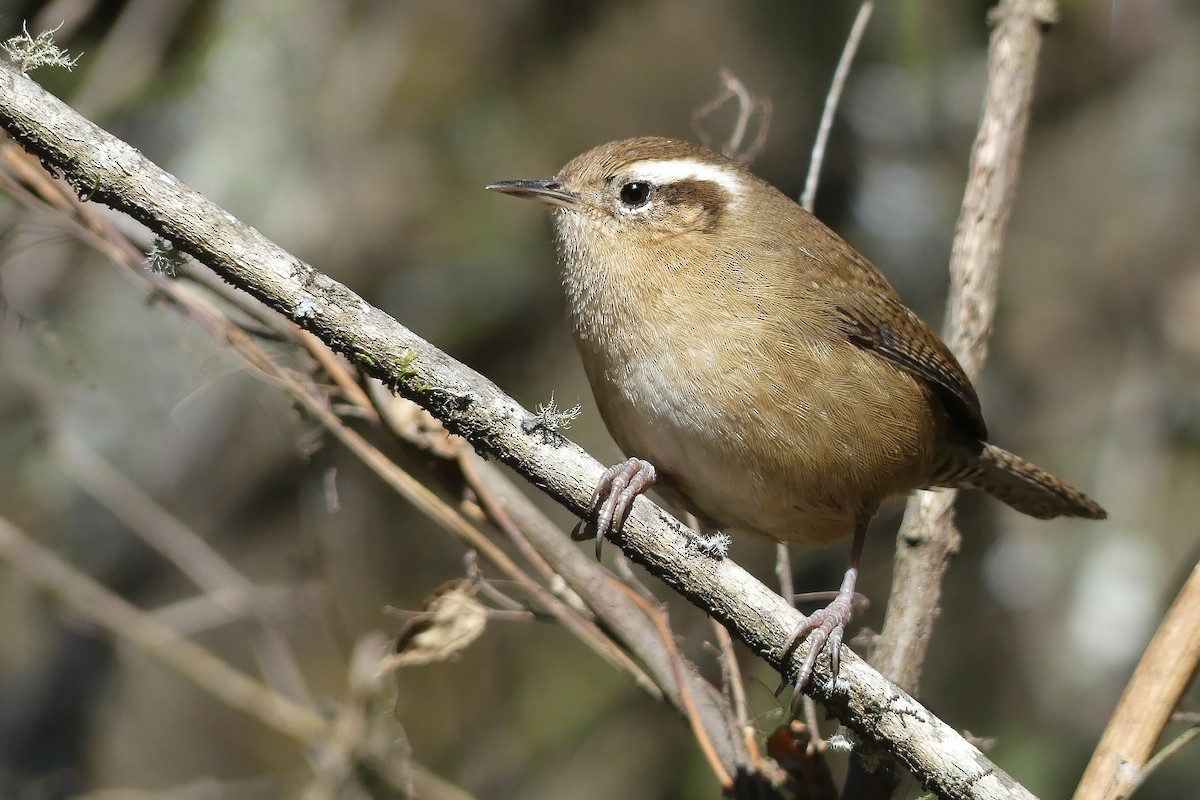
(358, 135)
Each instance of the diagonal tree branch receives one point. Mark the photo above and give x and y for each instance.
(1123, 758)
(103, 168)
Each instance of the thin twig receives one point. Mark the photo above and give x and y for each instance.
(622, 567)
(1174, 746)
(659, 617)
(210, 610)
(733, 88)
(610, 602)
(737, 687)
(160, 529)
(745, 108)
(581, 626)
(811, 718)
(501, 519)
(336, 370)
(783, 573)
(442, 513)
(809, 196)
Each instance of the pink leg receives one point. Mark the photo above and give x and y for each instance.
(619, 486)
(827, 626)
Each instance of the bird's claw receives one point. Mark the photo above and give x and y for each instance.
(618, 487)
(824, 629)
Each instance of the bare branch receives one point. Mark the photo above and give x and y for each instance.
(1161, 757)
(747, 106)
(809, 197)
(1122, 758)
(927, 538)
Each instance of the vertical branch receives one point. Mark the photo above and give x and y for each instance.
(928, 538)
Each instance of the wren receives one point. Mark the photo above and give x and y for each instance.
(755, 369)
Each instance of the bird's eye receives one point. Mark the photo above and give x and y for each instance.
(635, 195)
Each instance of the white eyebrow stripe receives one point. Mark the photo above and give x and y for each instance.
(679, 169)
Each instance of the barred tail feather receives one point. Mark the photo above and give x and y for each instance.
(1029, 489)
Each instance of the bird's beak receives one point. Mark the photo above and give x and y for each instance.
(551, 193)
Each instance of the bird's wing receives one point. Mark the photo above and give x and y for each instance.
(874, 318)
(878, 322)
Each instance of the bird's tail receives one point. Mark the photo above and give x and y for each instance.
(1027, 488)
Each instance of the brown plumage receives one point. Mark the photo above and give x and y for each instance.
(769, 373)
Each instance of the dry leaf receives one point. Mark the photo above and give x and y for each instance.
(450, 621)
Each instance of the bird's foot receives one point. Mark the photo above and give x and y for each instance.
(824, 629)
(619, 486)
